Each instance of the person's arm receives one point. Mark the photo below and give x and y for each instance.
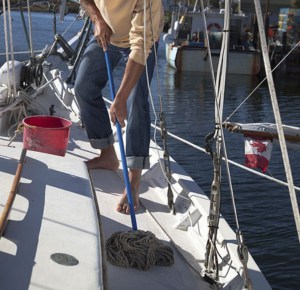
(102, 31)
(118, 109)
(140, 45)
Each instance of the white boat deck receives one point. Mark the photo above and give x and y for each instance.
(53, 214)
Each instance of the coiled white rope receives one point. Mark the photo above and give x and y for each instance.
(138, 249)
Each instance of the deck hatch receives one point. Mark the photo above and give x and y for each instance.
(64, 259)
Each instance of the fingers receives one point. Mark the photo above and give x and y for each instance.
(121, 123)
(102, 33)
(103, 44)
(105, 41)
(114, 120)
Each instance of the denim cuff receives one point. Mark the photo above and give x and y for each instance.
(102, 143)
(138, 162)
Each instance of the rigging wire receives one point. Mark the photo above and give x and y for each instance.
(166, 170)
(208, 46)
(221, 77)
(211, 261)
(277, 116)
(30, 29)
(10, 40)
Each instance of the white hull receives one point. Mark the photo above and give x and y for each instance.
(189, 58)
(190, 32)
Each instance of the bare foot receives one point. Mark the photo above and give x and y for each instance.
(107, 160)
(135, 180)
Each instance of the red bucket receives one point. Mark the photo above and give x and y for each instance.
(46, 134)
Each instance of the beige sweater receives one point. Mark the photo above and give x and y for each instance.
(126, 19)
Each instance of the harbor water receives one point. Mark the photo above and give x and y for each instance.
(263, 207)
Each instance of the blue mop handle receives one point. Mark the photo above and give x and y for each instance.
(120, 138)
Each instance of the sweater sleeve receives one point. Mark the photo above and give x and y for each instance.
(140, 49)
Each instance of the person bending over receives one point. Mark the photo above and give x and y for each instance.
(120, 30)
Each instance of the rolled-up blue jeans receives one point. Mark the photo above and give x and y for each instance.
(90, 80)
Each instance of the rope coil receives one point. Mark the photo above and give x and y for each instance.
(138, 249)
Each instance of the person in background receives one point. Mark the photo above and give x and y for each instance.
(119, 30)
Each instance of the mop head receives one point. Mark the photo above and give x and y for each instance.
(138, 249)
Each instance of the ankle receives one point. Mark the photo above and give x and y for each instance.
(110, 150)
(135, 177)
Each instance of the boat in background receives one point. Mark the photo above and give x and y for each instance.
(283, 40)
(187, 48)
